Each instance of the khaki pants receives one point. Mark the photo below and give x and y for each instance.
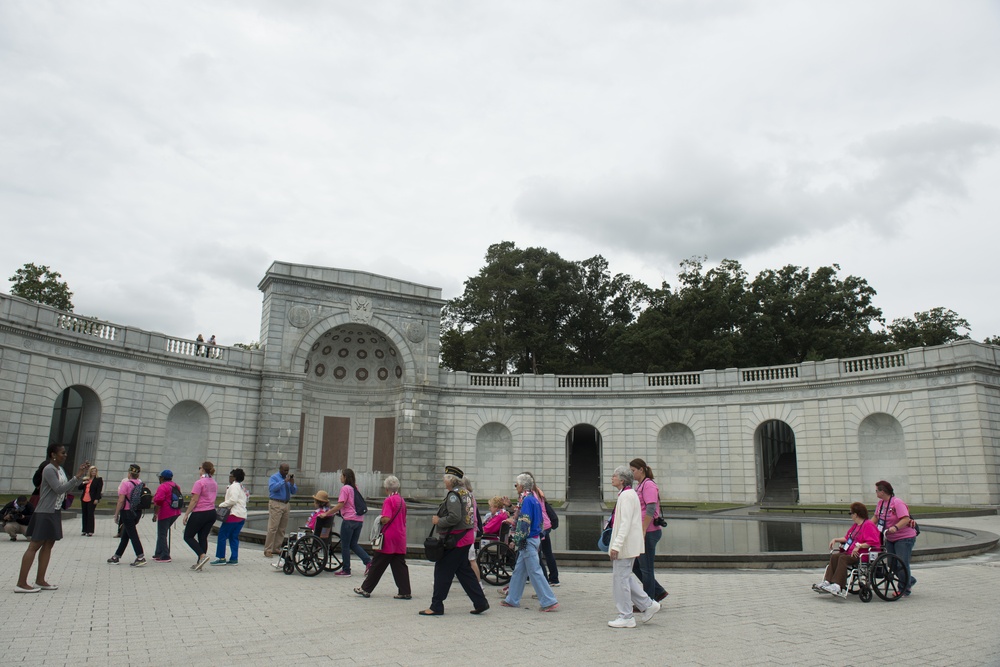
(13, 528)
(277, 520)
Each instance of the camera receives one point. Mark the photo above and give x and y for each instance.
(660, 521)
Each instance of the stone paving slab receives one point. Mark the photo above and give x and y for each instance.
(251, 614)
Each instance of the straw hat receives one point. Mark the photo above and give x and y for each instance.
(322, 496)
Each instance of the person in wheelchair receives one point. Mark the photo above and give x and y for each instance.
(860, 538)
(321, 520)
(494, 520)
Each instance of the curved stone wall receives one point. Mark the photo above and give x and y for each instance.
(927, 419)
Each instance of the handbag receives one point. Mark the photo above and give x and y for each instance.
(604, 541)
(433, 547)
(378, 531)
(222, 513)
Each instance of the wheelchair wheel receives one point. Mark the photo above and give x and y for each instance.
(333, 562)
(889, 576)
(309, 556)
(288, 567)
(496, 563)
(865, 594)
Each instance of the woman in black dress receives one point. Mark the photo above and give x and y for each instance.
(91, 493)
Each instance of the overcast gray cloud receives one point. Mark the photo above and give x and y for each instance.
(161, 155)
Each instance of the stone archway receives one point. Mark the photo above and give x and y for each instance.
(494, 460)
(186, 443)
(583, 456)
(777, 469)
(882, 453)
(76, 418)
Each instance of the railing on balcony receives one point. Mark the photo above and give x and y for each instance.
(582, 381)
(82, 325)
(875, 363)
(191, 348)
(481, 380)
(770, 374)
(673, 380)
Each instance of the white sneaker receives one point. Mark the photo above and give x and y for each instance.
(648, 614)
(832, 589)
(821, 587)
(842, 594)
(622, 622)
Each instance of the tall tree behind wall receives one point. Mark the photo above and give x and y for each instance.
(42, 285)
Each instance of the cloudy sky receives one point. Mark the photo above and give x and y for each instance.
(161, 155)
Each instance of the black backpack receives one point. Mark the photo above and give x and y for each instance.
(176, 498)
(140, 499)
(360, 506)
(553, 517)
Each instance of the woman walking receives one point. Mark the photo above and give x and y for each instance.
(45, 527)
(652, 527)
(393, 551)
(229, 531)
(350, 528)
(200, 515)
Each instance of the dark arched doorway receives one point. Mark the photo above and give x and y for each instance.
(583, 452)
(76, 416)
(777, 471)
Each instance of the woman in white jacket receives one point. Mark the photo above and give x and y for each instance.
(229, 530)
(627, 542)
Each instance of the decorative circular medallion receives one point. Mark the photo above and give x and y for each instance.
(380, 354)
(299, 316)
(347, 339)
(307, 366)
(327, 349)
(361, 374)
(315, 346)
(415, 332)
(392, 351)
(383, 373)
(399, 372)
(362, 354)
(320, 370)
(340, 372)
(342, 352)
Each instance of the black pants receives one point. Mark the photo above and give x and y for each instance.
(87, 513)
(196, 531)
(456, 563)
(129, 520)
(549, 559)
(400, 572)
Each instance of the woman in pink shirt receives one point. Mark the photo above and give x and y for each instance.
(860, 537)
(200, 515)
(393, 551)
(350, 526)
(892, 518)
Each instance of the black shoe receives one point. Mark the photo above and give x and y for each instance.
(481, 609)
(114, 560)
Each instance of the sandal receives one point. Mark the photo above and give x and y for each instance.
(362, 592)
(402, 597)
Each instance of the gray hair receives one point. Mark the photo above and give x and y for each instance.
(624, 474)
(391, 483)
(526, 480)
(452, 481)
(468, 483)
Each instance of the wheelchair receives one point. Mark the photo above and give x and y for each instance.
(880, 572)
(496, 558)
(310, 554)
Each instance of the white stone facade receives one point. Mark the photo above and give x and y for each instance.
(348, 376)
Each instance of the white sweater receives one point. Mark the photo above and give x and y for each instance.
(626, 534)
(236, 497)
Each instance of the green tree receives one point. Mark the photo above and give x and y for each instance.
(936, 326)
(41, 285)
(992, 340)
(531, 311)
(801, 316)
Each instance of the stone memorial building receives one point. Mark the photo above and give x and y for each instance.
(348, 376)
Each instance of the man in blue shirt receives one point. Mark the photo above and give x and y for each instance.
(527, 540)
(280, 489)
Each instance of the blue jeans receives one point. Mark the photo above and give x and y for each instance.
(904, 549)
(229, 531)
(350, 533)
(527, 566)
(643, 567)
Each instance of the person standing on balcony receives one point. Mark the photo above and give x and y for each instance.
(198, 345)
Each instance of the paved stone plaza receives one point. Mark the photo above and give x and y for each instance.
(165, 614)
